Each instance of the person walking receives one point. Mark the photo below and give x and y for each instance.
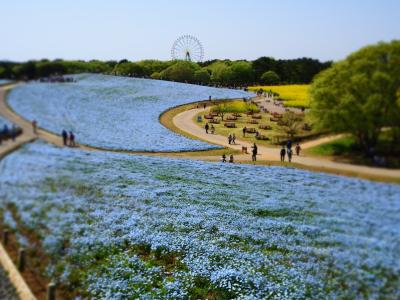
(65, 137)
(207, 127)
(72, 139)
(212, 129)
(289, 144)
(298, 149)
(244, 131)
(204, 105)
(13, 133)
(289, 154)
(254, 152)
(283, 153)
(233, 139)
(34, 126)
(223, 159)
(6, 131)
(231, 158)
(230, 139)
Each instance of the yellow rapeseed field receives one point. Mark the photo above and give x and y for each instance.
(295, 95)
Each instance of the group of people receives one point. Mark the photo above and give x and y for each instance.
(232, 139)
(7, 133)
(223, 159)
(68, 138)
(287, 150)
(211, 128)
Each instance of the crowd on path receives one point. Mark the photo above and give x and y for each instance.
(8, 133)
(287, 150)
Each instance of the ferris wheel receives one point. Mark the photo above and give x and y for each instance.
(187, 47)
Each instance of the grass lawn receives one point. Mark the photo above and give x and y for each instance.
(274, 134)
(342, 146)
(346, 149)
(294, 95)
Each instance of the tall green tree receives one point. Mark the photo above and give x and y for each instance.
(182, 71)
(359, 95)
(242, 73)
(270, 78)
(202, 76)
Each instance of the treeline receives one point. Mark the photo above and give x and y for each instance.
(264, 70)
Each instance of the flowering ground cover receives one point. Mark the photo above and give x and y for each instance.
(127, 227)
(3, 122)
(114, 112)
(7, 290)
(4, 81)
(294, 95)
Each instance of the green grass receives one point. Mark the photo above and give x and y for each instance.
(342, 146)
(347, 149)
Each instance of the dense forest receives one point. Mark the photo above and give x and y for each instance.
(264, 70)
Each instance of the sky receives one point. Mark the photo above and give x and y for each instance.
(135, 30)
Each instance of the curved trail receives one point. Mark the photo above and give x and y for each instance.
(28, 135)
(185, 122)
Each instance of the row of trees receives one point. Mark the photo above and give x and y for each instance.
(264, 70)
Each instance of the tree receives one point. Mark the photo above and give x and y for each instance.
(156, 75)
(262, 65)
(182, 71)
(270, 78)
(221, 110)
(221, 73)
(290, 123)
(242, 73)
(128, 69)
(202, 76)
(359, 95)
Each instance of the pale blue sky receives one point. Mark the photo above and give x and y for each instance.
(117, 29)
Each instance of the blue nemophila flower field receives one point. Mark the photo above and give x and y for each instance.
(114, 112)
(3, 122)
(4, 81)
(127, 227)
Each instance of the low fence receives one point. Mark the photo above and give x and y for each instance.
(22, 265)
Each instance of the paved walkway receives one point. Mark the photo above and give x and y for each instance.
(185, 122)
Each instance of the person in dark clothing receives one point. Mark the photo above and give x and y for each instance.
(244, 131)
(64, 137)
(34, 126)
(254, 152)
(223, 158)
(289, 144)
(72, 139)
(298, 149)
(231, 158)
(6, 131)
(283, 153)
(13, 133)
(289, 154)
(206, 127)
(233, 139)
(230, 139)
(204, 105)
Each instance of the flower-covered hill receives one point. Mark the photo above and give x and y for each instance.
(113, 112)
(120, 226)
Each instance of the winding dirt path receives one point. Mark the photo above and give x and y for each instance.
(185, 122)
